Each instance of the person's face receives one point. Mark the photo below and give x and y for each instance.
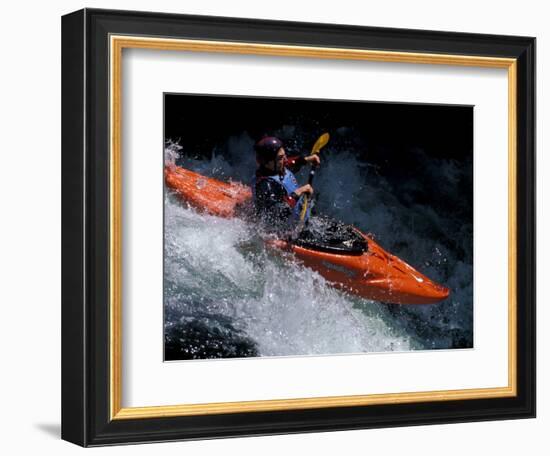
(280, 160)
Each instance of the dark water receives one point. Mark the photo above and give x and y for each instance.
(225, 296)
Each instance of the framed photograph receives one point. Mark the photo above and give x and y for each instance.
(275, 227)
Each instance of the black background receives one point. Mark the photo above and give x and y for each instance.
(203, 122)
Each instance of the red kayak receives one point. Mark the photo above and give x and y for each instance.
(370, 272)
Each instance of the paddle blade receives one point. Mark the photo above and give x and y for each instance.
(320, 143)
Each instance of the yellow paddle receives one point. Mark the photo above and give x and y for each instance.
(319, 144)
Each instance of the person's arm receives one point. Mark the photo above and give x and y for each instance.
(301, 190)
(295, 163)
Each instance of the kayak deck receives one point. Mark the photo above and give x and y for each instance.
(376, 274)
(207, 194)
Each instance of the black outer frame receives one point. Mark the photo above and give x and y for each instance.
(85, 227)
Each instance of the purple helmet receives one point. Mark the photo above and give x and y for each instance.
(267, 148)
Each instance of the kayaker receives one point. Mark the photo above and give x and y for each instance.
(277, 194)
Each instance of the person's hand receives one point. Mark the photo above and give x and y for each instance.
(304, 189)
(313, 159)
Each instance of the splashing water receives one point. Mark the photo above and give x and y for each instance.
(226, 296)
(218, 268)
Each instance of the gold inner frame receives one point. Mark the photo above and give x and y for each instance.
(117, 44)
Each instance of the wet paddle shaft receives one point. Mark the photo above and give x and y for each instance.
(319, 144)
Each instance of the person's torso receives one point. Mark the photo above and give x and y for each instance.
(289, 183)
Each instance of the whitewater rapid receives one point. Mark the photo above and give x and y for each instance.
(225, 295)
